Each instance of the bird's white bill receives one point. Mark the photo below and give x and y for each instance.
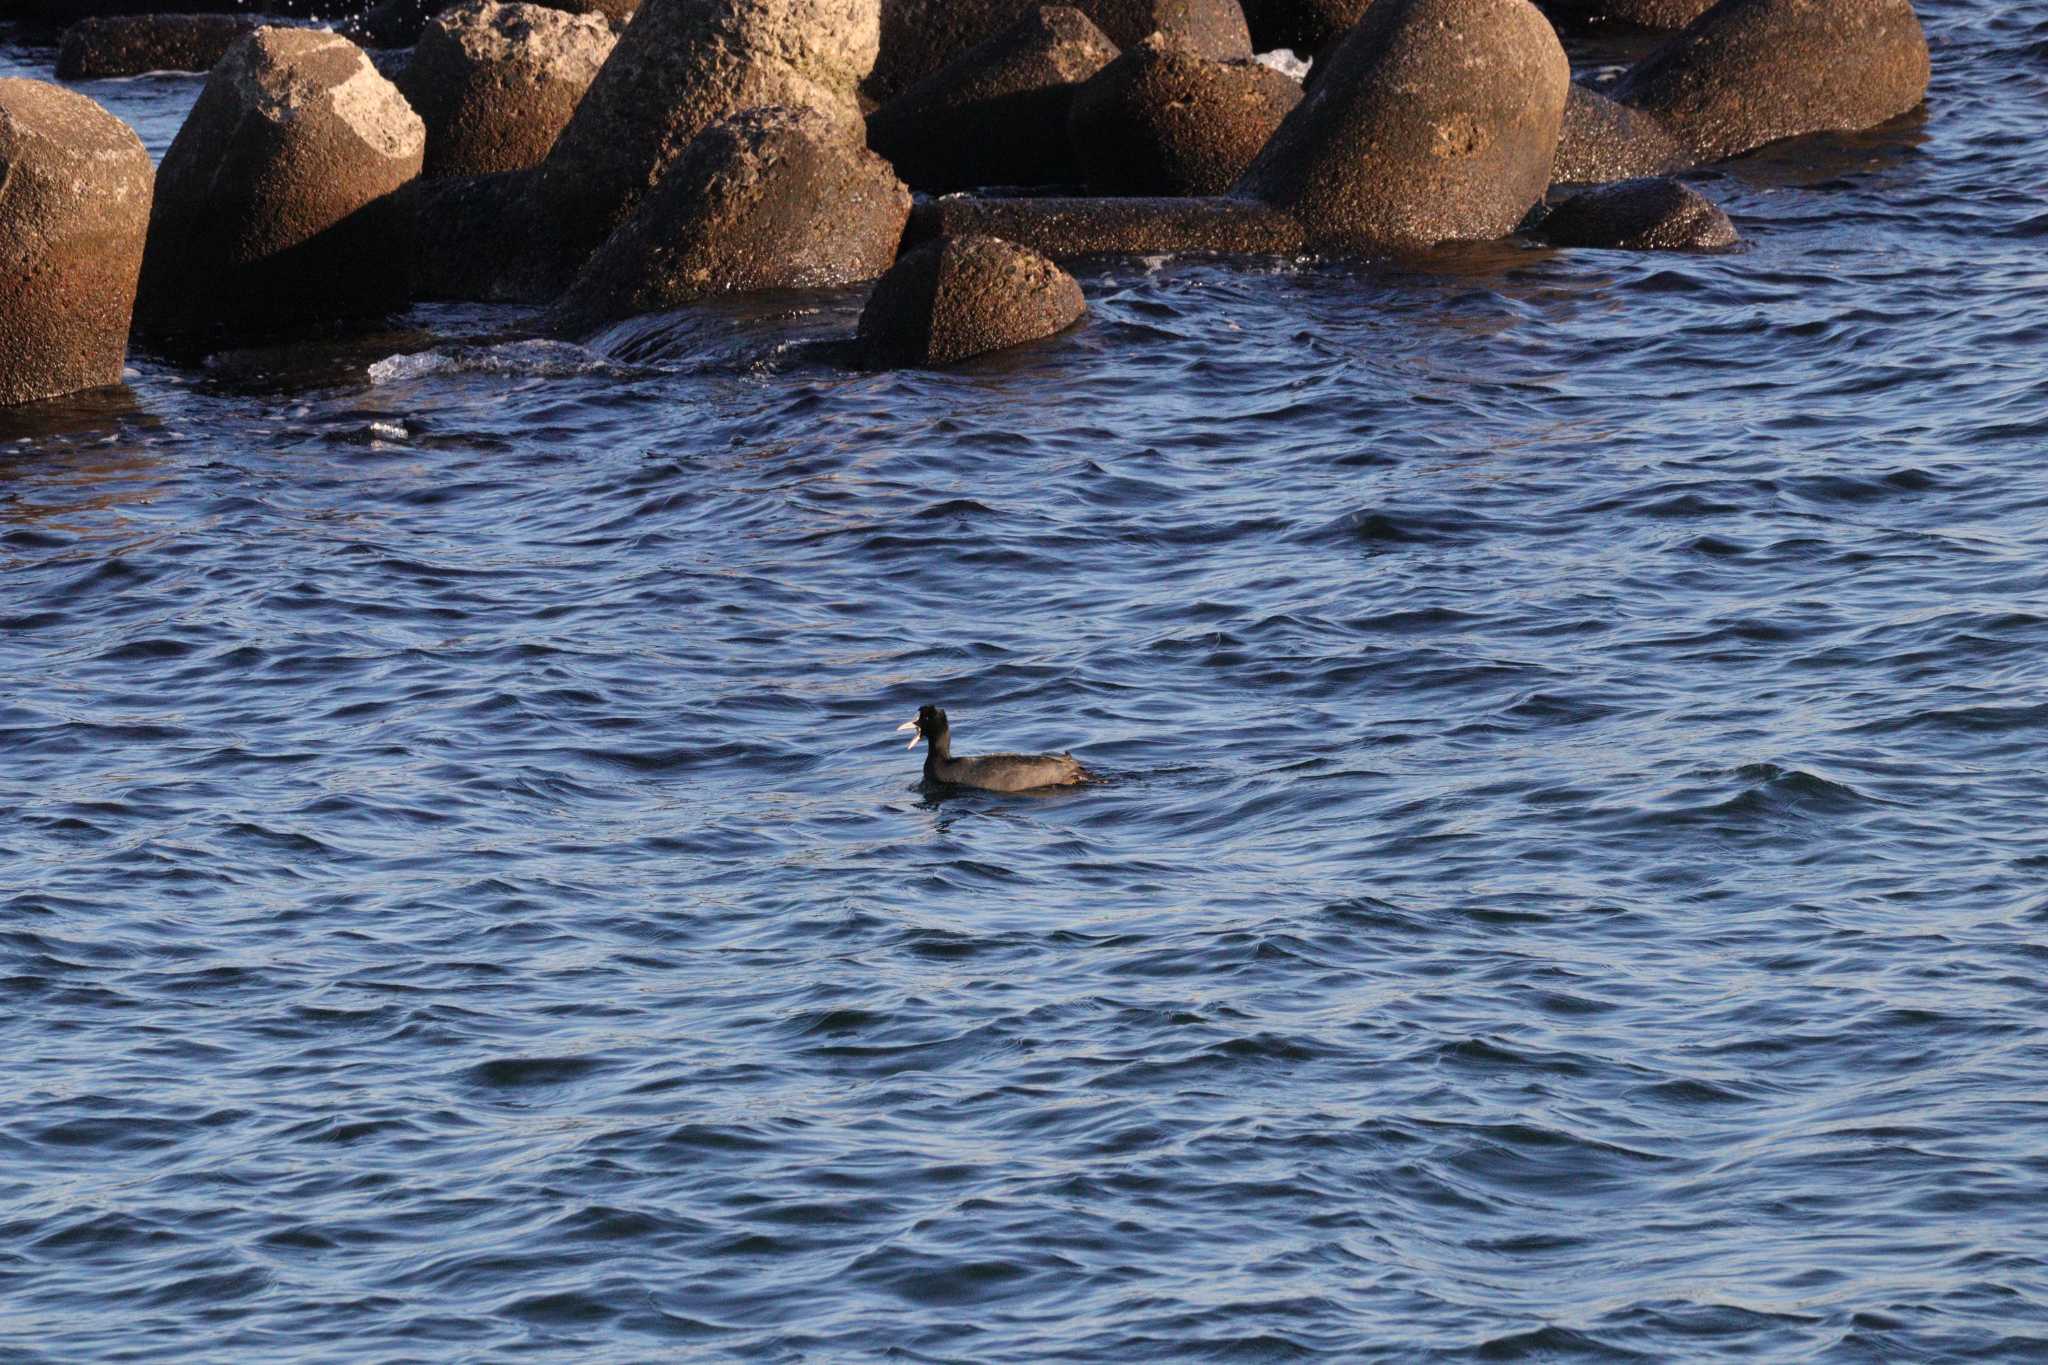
(915, 737)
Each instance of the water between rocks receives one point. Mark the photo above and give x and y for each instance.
(1574, 881)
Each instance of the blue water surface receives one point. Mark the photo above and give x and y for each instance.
(1573, 881)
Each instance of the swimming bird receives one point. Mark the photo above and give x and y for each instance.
(990, 772)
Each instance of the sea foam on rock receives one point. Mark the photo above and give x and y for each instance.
(965, 296)
(679, 67)
(1161, 121)
(1751, 72)
(273, 204)
(772, 198)
(1640, 215)
(997, 114)
(75, 188)
(495, 84)
(131, 44)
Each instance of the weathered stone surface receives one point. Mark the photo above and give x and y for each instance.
(1604, 140)
(129, 45)
(769, 199)
(1437, 121)
(1750, 72)
(399, 23)
(495, 84)
(63, 13)
(680, 66)
(479, 238)
(273, 204)
(1304, 27)
(1640, 13)
(997, 115)
(1157, 121)
(1067, 228)
(1640, 215)
(965, 296)
(920, 37)
(74, 208)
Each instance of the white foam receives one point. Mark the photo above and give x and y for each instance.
(1283, 60)
(535, 358)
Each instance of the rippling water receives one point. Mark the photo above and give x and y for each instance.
(1573, 881)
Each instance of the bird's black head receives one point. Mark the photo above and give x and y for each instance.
(930, 724)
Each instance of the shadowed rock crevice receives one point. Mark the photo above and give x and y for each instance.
(997, 114)
(1157, 121)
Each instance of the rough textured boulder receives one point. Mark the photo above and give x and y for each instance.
(679, 67)
(472, 237)
(1604, 140)
(1304, 27)
(1067, 228)
(1640, 215)
(496, 83)
(1437, 121)
(998, 114)
(74, 208)
(1750, 72)
(769, 199)
(66, 12)
(399, 23)
(129, 45)
(1157, 121)
(920, 37)
(273, 204)
(965, 296)
(1641, 13)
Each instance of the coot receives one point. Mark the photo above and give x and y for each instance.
(990, 772)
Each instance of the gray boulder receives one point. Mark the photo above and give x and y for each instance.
(769, 199)
(1605, 140)
(1437, 121)
(1640, 215)
(921, 37)
(965, 296)
(1159, 121)
(1750, 72)
(997, 115)
(682, 65)
(273, 204)
(128, 45)
(74, 209)
(495, 84)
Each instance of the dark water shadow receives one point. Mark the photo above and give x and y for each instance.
(73, 417)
